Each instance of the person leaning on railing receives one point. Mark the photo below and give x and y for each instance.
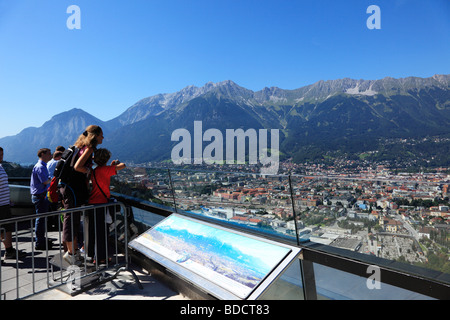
(5, 213)
(75, 192)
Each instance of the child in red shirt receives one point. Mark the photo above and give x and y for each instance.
(100, 194)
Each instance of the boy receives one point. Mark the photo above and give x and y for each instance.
(100, 194)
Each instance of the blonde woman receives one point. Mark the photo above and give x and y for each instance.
(75, 192)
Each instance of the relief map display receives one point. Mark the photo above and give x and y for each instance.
(233, 261)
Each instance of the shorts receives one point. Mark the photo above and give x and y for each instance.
(5, 213)
(71, 223)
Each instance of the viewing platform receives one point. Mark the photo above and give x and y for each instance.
(34, 275)
(334, 269)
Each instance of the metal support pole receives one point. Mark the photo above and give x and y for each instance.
(309, 280)
(173, 191)
(293, 211)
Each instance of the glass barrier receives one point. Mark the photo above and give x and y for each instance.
(403, 220)
(20, 195)
(399, 220)
(249, 201)
(334, 284)
(148, 184)
(289, 286)
(145, 218)
(400, 223)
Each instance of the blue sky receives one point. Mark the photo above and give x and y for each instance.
(129, 50)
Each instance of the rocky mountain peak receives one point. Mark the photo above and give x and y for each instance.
(325, 111)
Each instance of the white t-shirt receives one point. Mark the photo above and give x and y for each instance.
(51, 165)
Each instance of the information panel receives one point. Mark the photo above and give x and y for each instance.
(231, 260)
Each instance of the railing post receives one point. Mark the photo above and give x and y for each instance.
(173, 191)
(293, 211)
(308, 279)
(127, 266)
(125, 213)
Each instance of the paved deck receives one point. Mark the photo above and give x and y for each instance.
(123, 287)
(32, 276)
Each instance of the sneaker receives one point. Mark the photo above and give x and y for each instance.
(72, 259)
(15, 254)
(79, 255)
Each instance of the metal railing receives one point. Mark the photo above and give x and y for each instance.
(45, 269)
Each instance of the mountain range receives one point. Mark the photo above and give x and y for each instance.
(344, 116)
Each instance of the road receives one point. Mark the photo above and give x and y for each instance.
(408, 227)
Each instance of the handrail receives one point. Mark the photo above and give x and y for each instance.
(94, 270)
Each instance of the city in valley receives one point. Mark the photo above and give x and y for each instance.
(396, 216)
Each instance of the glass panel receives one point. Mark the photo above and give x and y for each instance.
(148, 184)
(249, 201)
(146, 218)
(333, 284)
(398, 220)
(288, 286)
(402, 220)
